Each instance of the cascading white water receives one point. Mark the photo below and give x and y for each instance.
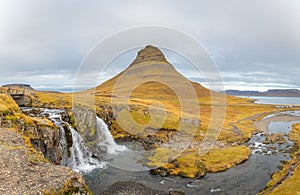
(105, 138)
(81, 159)
(55, 116)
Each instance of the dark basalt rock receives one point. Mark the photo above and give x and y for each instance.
(22, 100)
(46, 140)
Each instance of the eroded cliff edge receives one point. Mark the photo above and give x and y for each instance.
(29, 149)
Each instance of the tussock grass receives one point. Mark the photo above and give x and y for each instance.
(52, 100)
(7, 104)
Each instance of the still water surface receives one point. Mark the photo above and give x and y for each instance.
(275, 100)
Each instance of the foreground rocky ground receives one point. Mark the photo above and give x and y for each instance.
(25, 171)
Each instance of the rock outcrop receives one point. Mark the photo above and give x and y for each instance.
(21, 93)
(150, 53)
(43, 135)
(22, 100)
(46, 140)
(18, 86)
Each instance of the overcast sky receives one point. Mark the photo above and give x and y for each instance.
(255, 43)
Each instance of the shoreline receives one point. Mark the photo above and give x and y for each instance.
(262, 125)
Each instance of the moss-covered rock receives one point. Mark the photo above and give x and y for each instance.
(193, 164)
(274, 138)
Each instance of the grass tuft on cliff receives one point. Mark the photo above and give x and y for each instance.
(7, 104)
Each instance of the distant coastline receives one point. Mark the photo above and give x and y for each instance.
(269, 93)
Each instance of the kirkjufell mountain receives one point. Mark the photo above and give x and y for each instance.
(151, 76)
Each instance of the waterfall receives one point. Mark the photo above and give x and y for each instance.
(106, 140)
(81, 159)
(55, 116)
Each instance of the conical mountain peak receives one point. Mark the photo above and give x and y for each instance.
(148, 54)
(153, 73)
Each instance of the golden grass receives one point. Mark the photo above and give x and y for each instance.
(221, 159)
(7, 104)
(191, 163)
(52, 100)
(188, 164)
(161, 157)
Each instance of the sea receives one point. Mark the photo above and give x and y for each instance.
(275, 100)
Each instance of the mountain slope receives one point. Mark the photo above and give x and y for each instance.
(151, 83)
(154, 76)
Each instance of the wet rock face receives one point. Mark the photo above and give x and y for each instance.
(85, 123)
(46, 140)
(107, 114)
(68, 135)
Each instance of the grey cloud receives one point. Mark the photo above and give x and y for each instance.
(254, 43)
